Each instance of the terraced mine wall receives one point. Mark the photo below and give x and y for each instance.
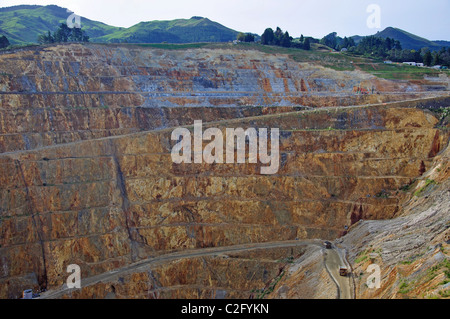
(105, 203)
(86, 175)
(66, 93)
(233, 275)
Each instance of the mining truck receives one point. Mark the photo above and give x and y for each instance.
(343, 271)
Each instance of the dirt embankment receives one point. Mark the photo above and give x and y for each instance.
(412, 251)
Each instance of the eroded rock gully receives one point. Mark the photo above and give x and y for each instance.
(86, 175)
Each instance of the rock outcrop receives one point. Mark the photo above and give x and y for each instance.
(80, 184)
(66, 93)
(411, 250)
(107, 202)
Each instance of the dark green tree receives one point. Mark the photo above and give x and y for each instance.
(78, 35)
(249, 37)
(347, 43)
(427, 58)
(246, 37)
(286, 40)
(278, 36)
(268, 37)
(46, 38)
(307, 44)
(64, 34)
(445, 57)
(4, 42)
(330, 40)
(278, 33)
(436, 59)
(388, 44)
(241, 37)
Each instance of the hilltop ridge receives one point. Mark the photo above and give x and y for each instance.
(23, 24)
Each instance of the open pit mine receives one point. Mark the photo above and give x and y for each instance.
(87, 178)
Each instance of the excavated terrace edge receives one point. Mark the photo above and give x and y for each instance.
(395, 104)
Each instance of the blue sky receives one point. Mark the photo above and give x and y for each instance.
(429, 19)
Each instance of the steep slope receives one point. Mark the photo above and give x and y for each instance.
(412, 250)
(196, 29)
(442, 43)
(86, 175)
(23, 24)
(408, 40)
(108, 202)
(64, 93)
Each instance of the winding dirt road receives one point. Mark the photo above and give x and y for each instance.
(332, 261)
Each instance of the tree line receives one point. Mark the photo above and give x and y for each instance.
(279, 38)
(388, 49)
(4, 42)
(369, 46)
(63, 34)
(246, 37)
(283, 39)
(425, 56)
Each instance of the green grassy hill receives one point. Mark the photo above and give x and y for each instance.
(443, 43)
(196, 29)
(409, 40)
(23, 24)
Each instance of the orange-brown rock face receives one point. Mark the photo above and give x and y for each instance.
(67, 93)
(102, 195)
(105, 203)
(233, 275)
(412, 251)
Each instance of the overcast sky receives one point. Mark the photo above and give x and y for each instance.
(428, 19)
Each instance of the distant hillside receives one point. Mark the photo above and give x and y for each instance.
(443, 43)
(23, 24)
(196, 29)
(407, 40)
